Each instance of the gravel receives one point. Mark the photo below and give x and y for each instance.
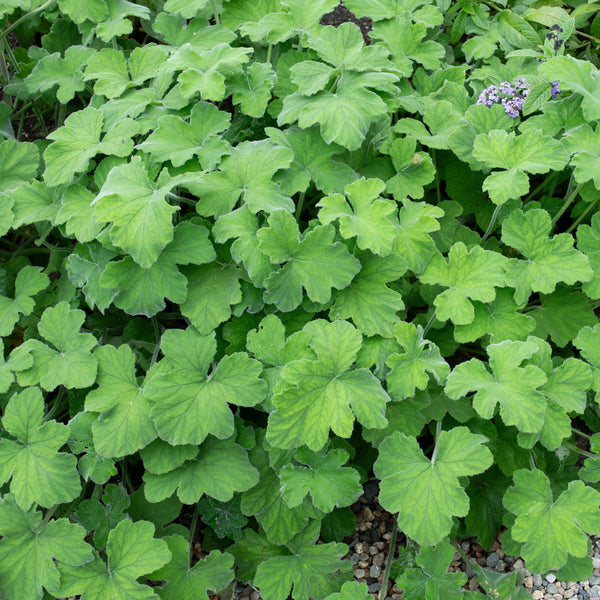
(369, 547)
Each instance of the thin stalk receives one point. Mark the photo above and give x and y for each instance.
(532, 460)
(269, 50)
(57, 404)
(579, 450)
(192, 532)
(429, 324)
(587, 35)
(539, 187)
(173, 196)
(580, 433)
(62, 108)
(583, 215)
(437, 177)
(157, 336)
(492, 222)
(566, 204)
(49, 513)
(215, 11)
(299, 207)
(3, 65)
(390, 560)
(26, 16)
(438, 430)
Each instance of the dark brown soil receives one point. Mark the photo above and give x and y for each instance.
(342, 15)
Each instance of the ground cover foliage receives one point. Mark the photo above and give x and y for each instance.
(250, 262)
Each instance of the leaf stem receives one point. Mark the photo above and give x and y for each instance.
(192, 532)
(49, 513)
(580, 433)
(269, 50)
(438, 430)
(437, 177)
(539, 187)
(299, 206)
(492, 222)
(26, 16)
(429, 323)
(215, 11)
(532, 460)
(566, 204)
(583, 215)
(390, 559)
(579, 450)
(157, 336)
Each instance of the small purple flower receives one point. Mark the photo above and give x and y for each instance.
(511, 97)
(555, 91)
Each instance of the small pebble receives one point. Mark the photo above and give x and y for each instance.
(492, 559)
(374, 587)
(595, 592)
(537, 580)
(596, 562)
(594, 580)
(537, 595)
(551, 589)
(551, 578)
(501, 566)
(379, 559)
(354, 558)
(359, 573)
(375, 571)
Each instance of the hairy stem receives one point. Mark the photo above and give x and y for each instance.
(299, 206)
(492, 222)
(566, 204)
(429, 323)
(583, 215)
(192, 532)
(49, 514)
(438, 431)
(579, 450)
(390, 560)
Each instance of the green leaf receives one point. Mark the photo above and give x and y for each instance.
(549, 260)
(204, 70)
(321, 475)
(365, 215)
(588, 242)
(132, 552)
(29, 557)
(351, 590)
(417, 221)
(219, 469)
(91, 465)
(427, 493)
(77, 213)
(515, 388)
(16, 362)
(431, 579)
(247, 173)
(313, 161)
(141, 217)
(178, 141)
(70, 361)
(33, 202)
(469, 275)
(252, 89)
(116, 23)
(408, 371)
(214, 572)
(517, 31)
(225, 518)
(19, 163)
(561, 316)
(314, 263)
(344, 117)
(190, 403)
(142, 291)
(212, 289)
(307, 570)
(64, 72)
(30, 280)
(264, 501)
(101, 517)
(579, 76)
(405, 42)
(324, 394)
(499, 319)
(94, 10)
(123, 424)
(531, 152)
(242, 225)
(85, 269)
(78, 140)
(588, 342)
(368, 300)
(40, 473)
(414, 170)
(549, 529)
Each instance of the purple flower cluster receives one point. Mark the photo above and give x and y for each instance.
(555, 91)
(512, 97)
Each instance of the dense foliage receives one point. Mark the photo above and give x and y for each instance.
(250, 262)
